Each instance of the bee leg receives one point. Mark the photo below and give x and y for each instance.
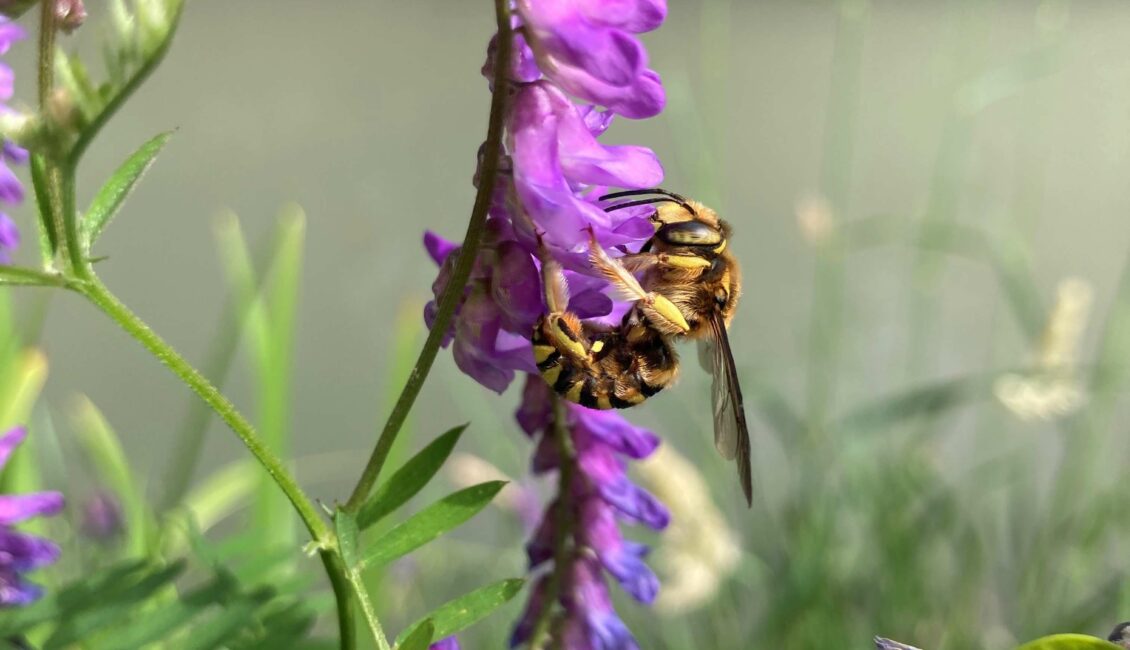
(638, 262)
(560, 330)
(631, 288)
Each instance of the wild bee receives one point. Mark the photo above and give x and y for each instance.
(684, 283)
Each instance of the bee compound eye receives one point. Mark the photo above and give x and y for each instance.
(689, 233)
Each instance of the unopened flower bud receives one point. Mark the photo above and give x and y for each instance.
(71, 14)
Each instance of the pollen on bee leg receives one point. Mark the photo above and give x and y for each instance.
(597, 346)
(668, 310)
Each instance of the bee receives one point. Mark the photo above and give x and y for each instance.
(684, 283)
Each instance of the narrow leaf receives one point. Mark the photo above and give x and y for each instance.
(463, 612)
(409, 479)
(431, 522)
(419, 639)
(158, 623)
(1069, 642)
(923, 401)
(347, 533)
(235, 617)
(113, 194)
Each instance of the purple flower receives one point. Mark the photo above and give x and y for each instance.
(450, 643)
(20, 552)
(552, 170)
(11, 190)
(102, 517)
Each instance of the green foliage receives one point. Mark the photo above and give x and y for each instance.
(114, 192)
(464, 611)
(420, 637)
(409, 479)
(430, 523)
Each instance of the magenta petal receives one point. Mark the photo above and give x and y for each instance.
(643, 98)
(9, 442)
(449, 643)
(15, 508)
(438, 248)
(631, 15)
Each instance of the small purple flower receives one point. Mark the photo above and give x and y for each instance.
(449, 643)
(20, 552)
(11, 190)
(102, 517)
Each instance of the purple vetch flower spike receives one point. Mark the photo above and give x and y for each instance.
(21, 552)
(551, 171)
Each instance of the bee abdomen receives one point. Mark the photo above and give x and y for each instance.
(615, 374)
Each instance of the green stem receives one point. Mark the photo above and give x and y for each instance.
(47, 32)
(97, 293)
(460, 274)
(367, 609)
(18, 275)
(564, 510)
(346, 617)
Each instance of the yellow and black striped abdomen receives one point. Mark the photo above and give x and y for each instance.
(616, 371)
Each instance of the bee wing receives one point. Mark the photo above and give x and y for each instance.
(731, 432)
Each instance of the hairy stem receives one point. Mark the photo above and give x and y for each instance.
(541, 635)
(467, 253)
(346, 616)
(97, 293)
(47, 30)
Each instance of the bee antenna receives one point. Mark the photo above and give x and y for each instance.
(654, 190)
(653, 200)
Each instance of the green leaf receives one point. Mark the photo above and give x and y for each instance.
(419, 639)
(431, 522)
(111, 606)
(409, 479)
(57, 605)
(347, 534)
(1069, 642)
(113, 194)
(161, 621)
(464, 611)
(235, 616)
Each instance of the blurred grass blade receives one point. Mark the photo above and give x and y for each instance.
(463, 612)
(113, 194)
(105, 451)
(925, 401)
(270, 329)
(1069, 642)
(431, 522)
(420, 638)
(61, 604)
(405, 343)
(409, 479)
(1112, 367)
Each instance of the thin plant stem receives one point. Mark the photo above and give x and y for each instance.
(367, 608)
(563, 526)
(47, 30)
(460, 274)
(97, 293)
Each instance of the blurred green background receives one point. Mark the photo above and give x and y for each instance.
(909, 183)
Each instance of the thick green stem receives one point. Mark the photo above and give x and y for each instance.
(343, 595)
(135, 327)
(564, 524)
(467, 253)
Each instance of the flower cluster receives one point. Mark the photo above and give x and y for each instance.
(11, 191)
(20, 552)
(552, 171)
(599, 493)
